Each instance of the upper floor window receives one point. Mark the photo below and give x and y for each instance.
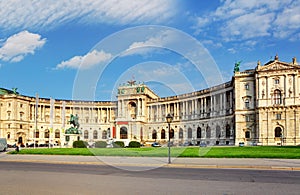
(247, 118)
(247, 103)
(277, 97)
(246, 86)
(276, 81)
(278, 116)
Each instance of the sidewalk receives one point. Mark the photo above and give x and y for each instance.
(154, 162)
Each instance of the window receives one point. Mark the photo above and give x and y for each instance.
(171, 133)
(218, 132)
(247, 103)
(247, 134)
(8, 126)
(21, 126)
(276, 81)
(21, 105)
(278, 116)
(95, 135)
(123, 133)
(180, 133)
(190, 133)
(104, 134)
(8, 115)
(278, 132)
(46, 133)
(154, 134)
(57, 133)
(246, 86)
(37, 134)
(227, 131)
(21, 116)
(277, 96)
(247, 118)
(208, 132)
(163, 134)
(8, 135)
(86, 134)
(198, 132)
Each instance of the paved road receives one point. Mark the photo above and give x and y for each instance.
(46, 178)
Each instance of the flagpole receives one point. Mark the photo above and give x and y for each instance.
(35, 117)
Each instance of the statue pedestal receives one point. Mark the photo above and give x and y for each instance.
(70, 138)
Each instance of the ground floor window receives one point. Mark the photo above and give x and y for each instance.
(154, 134)
(123, 133)
(278, 132)
(247, 134)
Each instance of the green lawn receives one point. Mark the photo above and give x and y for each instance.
(291, 152)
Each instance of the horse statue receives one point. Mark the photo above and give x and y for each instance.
(75, 125)
(237, 67)
(74, 121)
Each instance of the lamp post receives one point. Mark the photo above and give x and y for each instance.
(169, 118)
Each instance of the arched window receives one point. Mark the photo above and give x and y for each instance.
(104, 134)
(57, 133)
(247, 134)
(277, 97)
(123, 133)
(154, 134)
(190, 133)
(8, 135)
(218, 131)
(278, 132)
(95, 134)
(172, 133)
(198, 132)
(163, 134)
(46, 133)
(208, 132)
(86, 134)
(227, 131)
(180, 133)
(37, 134)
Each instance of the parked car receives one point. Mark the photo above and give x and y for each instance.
(202, 144)
(155, 144)
(241, 144)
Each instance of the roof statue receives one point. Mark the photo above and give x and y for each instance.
(237, 67)
(14, 90)
(75, 125)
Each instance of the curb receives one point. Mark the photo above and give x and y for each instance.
(278, 168)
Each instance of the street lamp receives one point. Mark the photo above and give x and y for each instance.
(169, 118)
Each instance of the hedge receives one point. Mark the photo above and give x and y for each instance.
(118, 144)
(100, 144)
(134, 144)
(79, 144)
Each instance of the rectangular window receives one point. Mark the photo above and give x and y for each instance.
(247, 118)
(278, 116)
(247, 86)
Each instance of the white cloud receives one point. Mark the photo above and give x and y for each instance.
(159, 40)
(16, 47)
(90, 59)
(239, 20)
(28, 14)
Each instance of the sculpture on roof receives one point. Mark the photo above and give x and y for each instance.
(237, 67)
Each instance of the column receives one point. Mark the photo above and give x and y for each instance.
(221, 103)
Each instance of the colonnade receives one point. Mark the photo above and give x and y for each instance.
(192, 108)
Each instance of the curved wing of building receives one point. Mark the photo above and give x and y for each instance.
(258, 106)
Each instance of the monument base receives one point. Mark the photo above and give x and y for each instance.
(70, 138)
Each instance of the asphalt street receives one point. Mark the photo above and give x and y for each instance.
(48, 178)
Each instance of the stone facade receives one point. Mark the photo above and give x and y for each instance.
(258, 106)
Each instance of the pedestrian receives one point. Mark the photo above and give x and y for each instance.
(17, 148)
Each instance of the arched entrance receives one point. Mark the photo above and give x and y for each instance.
(278, 132)
(123, 133)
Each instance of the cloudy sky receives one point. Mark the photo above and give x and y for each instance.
(69, 48)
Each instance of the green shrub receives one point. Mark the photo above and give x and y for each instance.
(118, 144)
(79, 144)
(134, 144)
(100, 144)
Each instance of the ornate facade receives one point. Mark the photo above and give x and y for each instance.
(258, 106)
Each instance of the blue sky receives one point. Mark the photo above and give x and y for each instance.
(66, 49)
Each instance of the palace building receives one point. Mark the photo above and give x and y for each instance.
(257, 107)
